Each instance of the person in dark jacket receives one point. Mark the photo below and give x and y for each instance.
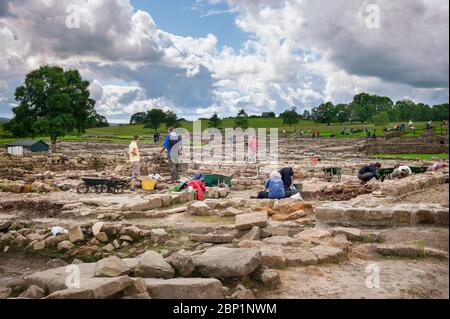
(368, 172)
(287, 175)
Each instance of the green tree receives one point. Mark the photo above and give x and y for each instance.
(381, 119)
(154, 119)
(324, 113)
(97, 120)
(366, 106)
(343, 113)
(215, 122)
(241, 120)
(138, 118)
(440, 112)
(268, 115)
(170, 119)
(306, 115)
(52, 102)
(290, 117)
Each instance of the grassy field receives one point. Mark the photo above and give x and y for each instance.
(126, 132)
(413, 156)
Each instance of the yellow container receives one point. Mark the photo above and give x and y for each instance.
(148, 184)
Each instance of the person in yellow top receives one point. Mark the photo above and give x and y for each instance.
(135, 159)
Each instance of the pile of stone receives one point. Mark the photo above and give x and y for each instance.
(179, 276)
(411, 251)
(285, 209)
(381, 214)
(414, 183)
(239, 184)
(83, 242)
(22, 187)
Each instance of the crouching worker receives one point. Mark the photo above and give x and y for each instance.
(401, 172)
(274, 187)
(368, 172)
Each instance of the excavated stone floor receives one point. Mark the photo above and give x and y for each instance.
(168, 245)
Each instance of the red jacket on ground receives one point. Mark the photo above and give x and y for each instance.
(199, 187)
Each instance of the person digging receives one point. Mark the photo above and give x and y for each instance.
(173, 151)
(369, 172)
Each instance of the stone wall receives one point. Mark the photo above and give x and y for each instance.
(345, 214)
(14, 168)
(383, 209)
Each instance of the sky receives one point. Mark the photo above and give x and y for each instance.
(197, 57)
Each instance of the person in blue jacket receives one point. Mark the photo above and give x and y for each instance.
(274, 187)
(169, 142)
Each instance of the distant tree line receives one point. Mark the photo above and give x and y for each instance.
(364, 108)
(367, 108)
(155, 118)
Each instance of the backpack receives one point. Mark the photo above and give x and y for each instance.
(174, 140)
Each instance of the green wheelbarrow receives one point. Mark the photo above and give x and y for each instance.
(330, 172)
(218, 180)
(385, 172)
(419, 170)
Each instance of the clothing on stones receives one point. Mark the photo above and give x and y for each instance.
(199, 187)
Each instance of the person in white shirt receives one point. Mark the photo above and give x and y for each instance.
(135, 159)
(401, 171)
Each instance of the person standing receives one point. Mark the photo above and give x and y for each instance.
(156, 137)
(252, 149)
(170, 141)
(135, 159)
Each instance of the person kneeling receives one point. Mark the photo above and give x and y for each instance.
(274, 187)
(368, 172)
(401, 172)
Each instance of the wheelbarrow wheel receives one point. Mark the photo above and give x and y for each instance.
(99, 189)
(82, 188)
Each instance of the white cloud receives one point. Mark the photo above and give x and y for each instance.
(299, 52)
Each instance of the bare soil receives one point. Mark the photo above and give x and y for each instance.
(399, 277)
(438, 195)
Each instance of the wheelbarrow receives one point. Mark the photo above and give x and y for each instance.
(330, 172)
(218, 180)
(385, 172)
(419, 170)
(101, 185)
